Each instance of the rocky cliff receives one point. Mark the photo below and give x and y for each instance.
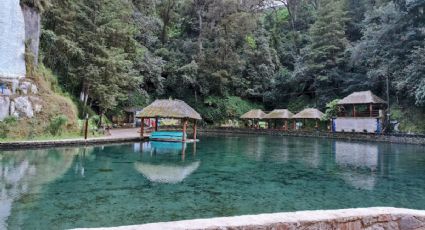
(19, 27)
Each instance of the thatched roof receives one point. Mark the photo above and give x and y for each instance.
(254, 114)
(309, 113)
(364, 97)
(279, 114)
(170, 109)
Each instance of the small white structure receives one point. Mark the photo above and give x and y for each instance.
(360, 112)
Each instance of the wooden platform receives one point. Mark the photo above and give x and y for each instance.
(174, 140)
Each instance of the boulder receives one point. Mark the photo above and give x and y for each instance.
(22, 107)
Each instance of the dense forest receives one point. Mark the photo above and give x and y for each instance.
(226, 56)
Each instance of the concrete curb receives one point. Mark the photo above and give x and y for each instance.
(65, 143)
(359, 218)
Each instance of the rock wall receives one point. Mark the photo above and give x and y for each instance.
(344, 219)
(32, 30)
(391, 138)
(18, 96)
(24, 102)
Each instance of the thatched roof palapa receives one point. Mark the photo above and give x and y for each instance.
(254, 114)
(279, 114)
(170, 109)
(364, 97)
(309, 113)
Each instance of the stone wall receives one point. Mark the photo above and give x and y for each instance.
(344, 219)
(392, 138)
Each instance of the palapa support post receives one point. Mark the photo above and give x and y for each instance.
(184, 130)
(142, 128)
(156, 124)
(371, 110)
(317, 123)
(194, 130)
(295, 124)
(286, 125)
(354, 110)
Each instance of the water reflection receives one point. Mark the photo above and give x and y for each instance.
(25, 172)
(359, 162)
(160, 161)
(358, 155)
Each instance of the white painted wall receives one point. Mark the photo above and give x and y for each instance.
(359, 124)
(12, 40)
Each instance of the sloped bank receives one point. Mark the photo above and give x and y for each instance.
(350, 219)
(390, 138)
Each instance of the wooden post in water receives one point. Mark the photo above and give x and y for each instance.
(142, 127)
(194, 130)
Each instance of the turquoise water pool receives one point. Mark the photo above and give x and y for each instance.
(138, 183)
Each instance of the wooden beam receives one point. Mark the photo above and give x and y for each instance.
(286, 124)
(156, 124)
(194, 130)
(354, 110)
(142, 127)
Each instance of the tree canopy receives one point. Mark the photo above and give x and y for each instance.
(221, 56)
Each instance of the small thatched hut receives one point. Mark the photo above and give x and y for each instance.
(280, 114)
(171, 109)
(371, 103)
(309, 114)
(254, 114)
(360, 112)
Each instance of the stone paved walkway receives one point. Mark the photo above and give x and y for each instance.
(117, 135)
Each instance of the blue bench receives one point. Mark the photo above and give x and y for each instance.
(167, 136)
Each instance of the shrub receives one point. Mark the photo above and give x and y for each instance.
(5, 126)
(57, 124)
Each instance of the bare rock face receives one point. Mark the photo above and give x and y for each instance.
(23, 107)
(32, 30)
(12, 40)
(27, 87)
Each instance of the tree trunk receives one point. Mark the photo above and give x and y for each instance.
(200, 36)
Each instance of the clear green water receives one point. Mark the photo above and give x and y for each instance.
(133, 183)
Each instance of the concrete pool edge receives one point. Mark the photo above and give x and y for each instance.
(358, 218)
(65, 143)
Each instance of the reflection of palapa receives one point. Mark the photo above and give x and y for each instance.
(170, 174)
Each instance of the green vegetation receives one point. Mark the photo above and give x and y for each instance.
(226, 57)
